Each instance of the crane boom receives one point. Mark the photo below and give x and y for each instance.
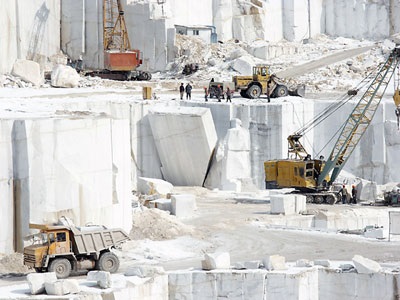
(359, 119)
(115, 33)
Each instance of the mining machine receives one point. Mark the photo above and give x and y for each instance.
(64, 247)
(120, 61)
(315, 177)
(263, 82)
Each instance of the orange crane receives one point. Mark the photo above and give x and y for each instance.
(120, 61)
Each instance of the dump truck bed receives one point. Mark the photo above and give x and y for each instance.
(96, 240)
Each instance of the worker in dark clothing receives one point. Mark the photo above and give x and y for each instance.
(218, 93)
(181, 90)
(397, 112)
(343, 191)
(188, 90)
(228, 95)
(353, 195)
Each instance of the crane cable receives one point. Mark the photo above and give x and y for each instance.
(336, 105)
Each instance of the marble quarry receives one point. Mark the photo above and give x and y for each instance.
(32, 28)
(46, 174)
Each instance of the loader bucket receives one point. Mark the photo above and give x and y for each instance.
(300, 91)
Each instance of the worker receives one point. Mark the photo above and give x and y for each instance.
(268, 89)
(397, 112)
(188, 90)
(181, 90)
(218, 93)
(205, 94)
(353, 194)
(228, 95)
(343, 191)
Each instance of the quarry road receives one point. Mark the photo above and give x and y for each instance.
(249, 232)
(322, 62)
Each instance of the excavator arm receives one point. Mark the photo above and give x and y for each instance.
(360, 118)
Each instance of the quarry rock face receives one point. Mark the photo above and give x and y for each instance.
(89, 180)
(189, 129)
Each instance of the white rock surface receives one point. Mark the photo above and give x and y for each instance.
(274, 262)
(64, 77)
(213, 261)
(62, 287)
(365, 265)
(190, 129)
(36, 281)
(284, 204)
(151, 186)
(102, 278)
(29, 71)
(90, 180)
(145, 271)
(163, 204)
(230, 168)
(183, 205)
(322, 262)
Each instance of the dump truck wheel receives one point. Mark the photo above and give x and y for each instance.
(108, 262)
(61, 266)
(254, 91)
(281, 91)
(243, 93)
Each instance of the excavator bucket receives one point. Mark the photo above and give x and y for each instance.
(299, 90)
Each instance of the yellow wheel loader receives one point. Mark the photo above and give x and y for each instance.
(262, 82)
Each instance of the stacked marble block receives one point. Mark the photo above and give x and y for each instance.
(181, 206)
(288, 204)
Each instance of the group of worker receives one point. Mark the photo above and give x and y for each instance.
(346, 197)
(219, 92)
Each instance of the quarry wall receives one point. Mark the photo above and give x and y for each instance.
(32, 28)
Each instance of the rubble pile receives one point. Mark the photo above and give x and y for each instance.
(156, 224)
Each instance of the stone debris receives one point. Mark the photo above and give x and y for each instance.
(36, 281)
(347, 268)
(62, 287)
(156, 225)
(365, 265)
(153, 186)
(102, 278)
(374, 232)
(64, 77)
(163, 204)
(322, 262)
(304, 263)
(274, 262)
(28, 71)
(183, 206)
(216, 261)
(145, 271)
(252, 265)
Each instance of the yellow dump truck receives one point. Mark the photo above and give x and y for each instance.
(262, 82)
(62, 249)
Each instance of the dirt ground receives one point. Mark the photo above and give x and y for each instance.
(244, 227)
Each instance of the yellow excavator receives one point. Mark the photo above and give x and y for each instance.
(314, 177)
